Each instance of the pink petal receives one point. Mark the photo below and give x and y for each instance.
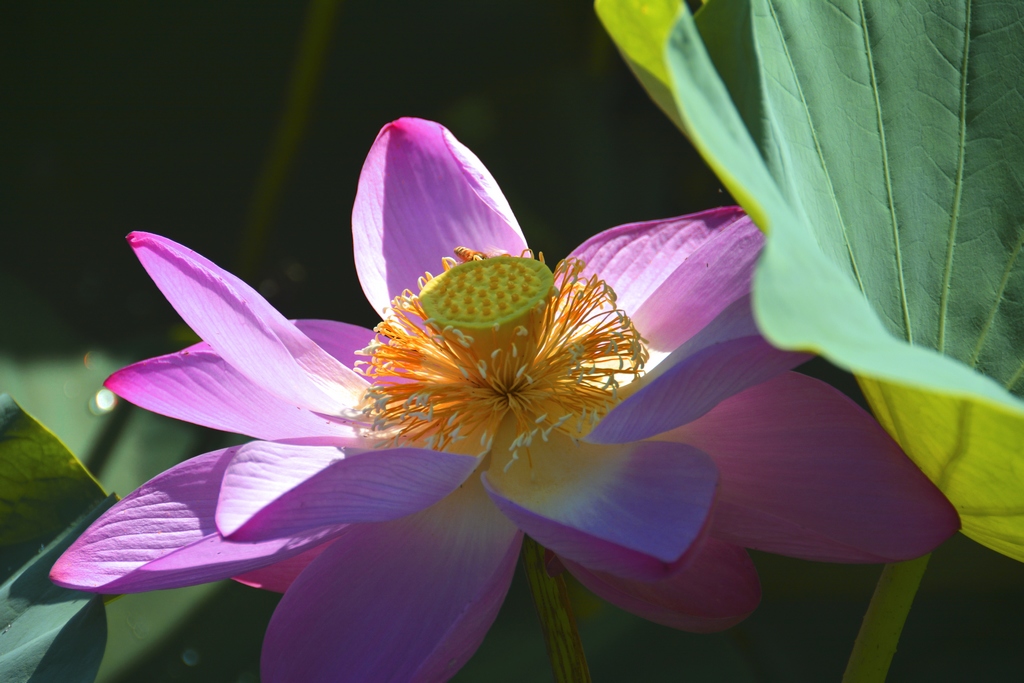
(724, 358)
(280, 575)
(198, 386)
(163, 536)
(246, 331)
(808, 473)
(421, 194)
(407, 600)
(341, 340)
(272, 490)
(717, 589)
(674, 276)
(630, 510)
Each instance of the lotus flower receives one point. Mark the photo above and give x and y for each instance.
(620, 408)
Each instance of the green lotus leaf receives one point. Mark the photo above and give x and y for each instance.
(878, 145)
(43, 487)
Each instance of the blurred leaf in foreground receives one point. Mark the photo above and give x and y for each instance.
(878, 145)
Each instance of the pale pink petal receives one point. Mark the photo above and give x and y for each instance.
(808, 473)
(163, 536)
(630, 510)
(674, 276)
(724, 358)
(280, 575)
(246, 331)
(198, 386)
(421, 194)
(636, 258)
(717, 589)
(407, 600)
(272, 490)
(341, 340)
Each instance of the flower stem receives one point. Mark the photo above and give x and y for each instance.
(883, 622)
(550, 597)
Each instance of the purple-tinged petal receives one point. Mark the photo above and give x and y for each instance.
(280, 575)
(674, 276)
(272, 490)
(214, 558)
(630, 510)
(717, 589)
(421, 194)
(808, 473)
(406, 600)
(721, 360)
(163, 535)
(246, 331)
(260, 473)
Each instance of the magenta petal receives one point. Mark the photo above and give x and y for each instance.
(272, 490)
(246, 331)
(808, 473)
(406, 600)
(714, 364)
(674, 276)
(280, 575)
(421, 194)
(717, 589)
(634, 513)
(163, 535)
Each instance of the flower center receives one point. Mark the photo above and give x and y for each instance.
(480, 294)
(499, 341)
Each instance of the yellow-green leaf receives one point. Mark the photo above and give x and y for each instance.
(43, 487)
(971, 449)
(640, 29)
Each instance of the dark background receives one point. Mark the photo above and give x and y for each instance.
(159, 116)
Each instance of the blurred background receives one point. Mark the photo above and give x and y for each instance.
(174, 118)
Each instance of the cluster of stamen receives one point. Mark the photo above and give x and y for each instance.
(489, 338)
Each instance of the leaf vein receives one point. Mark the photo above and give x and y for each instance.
(1015, 378)
(960, 448)
(1007, 271)
(955, 211)
(817, 147)
(885, 170)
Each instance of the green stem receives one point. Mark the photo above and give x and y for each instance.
(313, 46)
(883, 622)
(550, 597)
